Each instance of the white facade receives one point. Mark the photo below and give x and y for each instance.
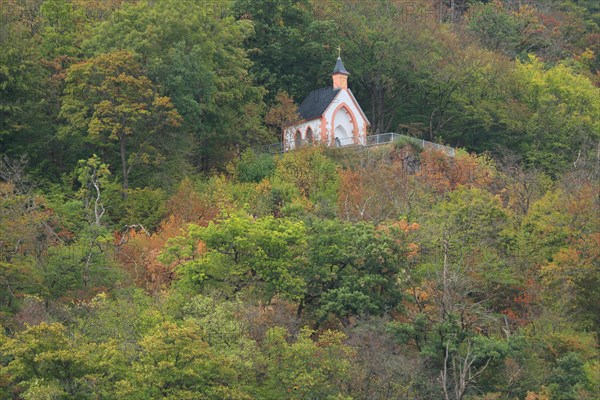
(345, 120)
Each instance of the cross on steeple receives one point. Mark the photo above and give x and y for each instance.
(339, 49)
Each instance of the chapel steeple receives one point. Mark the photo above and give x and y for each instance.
(340, 75)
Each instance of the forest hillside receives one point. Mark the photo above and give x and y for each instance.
(150, 250)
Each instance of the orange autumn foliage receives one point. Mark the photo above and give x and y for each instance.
(522, 306)
(374, 192)
(139, 251)
(444, 173)
(189, 206)
(139, 254)
(386, 188)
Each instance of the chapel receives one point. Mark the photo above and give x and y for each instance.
(329, 116)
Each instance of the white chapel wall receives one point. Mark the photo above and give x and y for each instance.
(290, 132)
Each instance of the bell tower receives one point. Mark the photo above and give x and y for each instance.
(340, 75)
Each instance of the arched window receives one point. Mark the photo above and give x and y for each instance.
(298, 139)
(309, 136)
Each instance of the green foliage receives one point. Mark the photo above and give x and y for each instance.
(124, 315)
(290, 49)
(564, 114)
(242, 252)
(144, 207)
(405, 141)
(204, 71)
(174, 363)
(47, 363)
(496, 28)
(22, 215)
(24, 123)
(60, 32)
(473, 217)
(109, 101)
(305, 368)
(254, 168)
(566, 376)
(311, 173)
(354, 269)
(121, 115)
(342, 269)
(19, 279)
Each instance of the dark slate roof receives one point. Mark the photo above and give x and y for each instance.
(317, 101)
(339, 67)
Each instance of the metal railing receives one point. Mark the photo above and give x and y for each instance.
(371, 140)
(275, 148)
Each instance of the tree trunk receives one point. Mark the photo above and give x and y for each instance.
(445, 289)
(300, 309)
(124, 166)
(373, 112)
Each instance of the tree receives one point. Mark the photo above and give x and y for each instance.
(24, 123)
(376, 191)
(253, 167)
(311, 172)
(92, 175)
(462, 369)
(25, 234)
(46, 363)
(563, 110)
(282, 113)
(109, 100)
(290, 49)
(305, 368)
(194, 53)
(378, 43)
(84, 262)
(263, 255)
(354, 269)
(175, 363)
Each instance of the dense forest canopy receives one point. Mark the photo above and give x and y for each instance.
(148, 250)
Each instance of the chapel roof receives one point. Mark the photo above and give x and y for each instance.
(317, 101)
(339, 67)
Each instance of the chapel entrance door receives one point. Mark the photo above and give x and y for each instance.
(342, 138)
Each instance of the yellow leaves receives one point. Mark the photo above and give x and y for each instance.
(165, 105)
(109, 97)
(570, 277)
(21, 221)
(587, 56)
(420, 294)
(100, 300)
(559, 84)
(309, 170)
(543, 394)
(557, 271)
(264, 187)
